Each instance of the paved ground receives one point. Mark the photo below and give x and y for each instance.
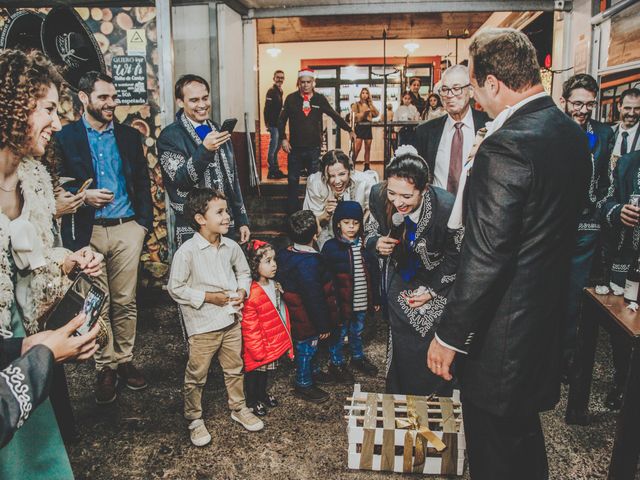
(143, 436)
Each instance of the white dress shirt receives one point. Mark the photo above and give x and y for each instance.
(455, 220)
(443, 157)
(197, 268)
(632, 134)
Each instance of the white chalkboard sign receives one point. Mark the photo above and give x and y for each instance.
(130, 79)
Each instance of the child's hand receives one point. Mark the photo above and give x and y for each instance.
(324, 336)
(376, 308)
(217, 298)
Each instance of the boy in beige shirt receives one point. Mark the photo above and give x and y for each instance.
(210, 279)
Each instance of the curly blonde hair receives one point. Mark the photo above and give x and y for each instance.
(24, 78)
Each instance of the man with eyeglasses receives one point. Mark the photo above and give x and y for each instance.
(445, 142)
(272, 107)
(579, 101)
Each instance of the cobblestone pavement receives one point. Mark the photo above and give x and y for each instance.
(143, 435)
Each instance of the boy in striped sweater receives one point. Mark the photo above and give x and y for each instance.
(355, 279)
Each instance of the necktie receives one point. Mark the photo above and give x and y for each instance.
(203, 131)
(623, 146)
(306, 105)
(455, 161)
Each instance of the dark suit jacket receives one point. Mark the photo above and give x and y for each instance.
(508, 303)
(625, 182)
(428, 136)
(601, 156)
(75, 161)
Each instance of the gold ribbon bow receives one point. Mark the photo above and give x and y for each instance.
(417, 414)
(413, 423)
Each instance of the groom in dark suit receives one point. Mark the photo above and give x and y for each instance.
(445, 142)
(506, 312)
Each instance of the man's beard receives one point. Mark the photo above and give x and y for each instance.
(97, 114)
(574, 118)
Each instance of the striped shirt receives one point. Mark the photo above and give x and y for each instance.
(359, 280)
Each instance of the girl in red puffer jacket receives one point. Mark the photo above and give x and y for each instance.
(266, 329)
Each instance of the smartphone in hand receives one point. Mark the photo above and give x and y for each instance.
(228, 125)
(84, 186)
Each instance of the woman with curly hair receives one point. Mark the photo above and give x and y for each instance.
(33, 273)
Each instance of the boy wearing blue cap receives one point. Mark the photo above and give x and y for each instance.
(355, 275)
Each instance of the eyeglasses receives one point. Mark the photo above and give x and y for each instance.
(453, 91)
(577, 106)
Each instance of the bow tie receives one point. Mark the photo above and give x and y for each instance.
(203, 130)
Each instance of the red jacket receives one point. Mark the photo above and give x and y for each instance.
(265, 336)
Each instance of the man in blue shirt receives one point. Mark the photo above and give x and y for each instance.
(115, 220)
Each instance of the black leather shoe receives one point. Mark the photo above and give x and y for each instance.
(311, 394)
(340, 373)
(259, 409)
(363, 365)
(280, 175)
(614, 398)
(270, 401)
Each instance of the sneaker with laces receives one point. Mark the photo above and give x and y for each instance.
(106, 386)
(247, 419)
(311, 394)
(198, 433)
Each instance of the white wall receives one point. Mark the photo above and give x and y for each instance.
(190, 26)
(231, 75)
(293, 53)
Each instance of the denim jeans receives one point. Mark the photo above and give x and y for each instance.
(306, 365)
(355, 328)
(274, 147)
(299, 158)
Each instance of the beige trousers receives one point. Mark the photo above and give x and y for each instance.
(121, 246)
(227, 343)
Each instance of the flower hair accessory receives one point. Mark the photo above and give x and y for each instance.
(257, 244)
(408, 150)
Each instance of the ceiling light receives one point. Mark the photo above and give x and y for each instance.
(273, 51)
(411, 46)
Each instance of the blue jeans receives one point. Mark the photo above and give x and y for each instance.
(274, 147)
(355, 328)
(299, 158)
(581, 262)
(305, 361)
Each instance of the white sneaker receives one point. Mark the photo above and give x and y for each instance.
(247, 419)
(199, 434)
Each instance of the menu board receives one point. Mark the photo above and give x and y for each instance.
(130, 79)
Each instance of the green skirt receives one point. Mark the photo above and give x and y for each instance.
(36, 451)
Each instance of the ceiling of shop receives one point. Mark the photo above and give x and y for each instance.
(365, 27)
(303, 8)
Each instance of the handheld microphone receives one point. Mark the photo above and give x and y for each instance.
(397, 219)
